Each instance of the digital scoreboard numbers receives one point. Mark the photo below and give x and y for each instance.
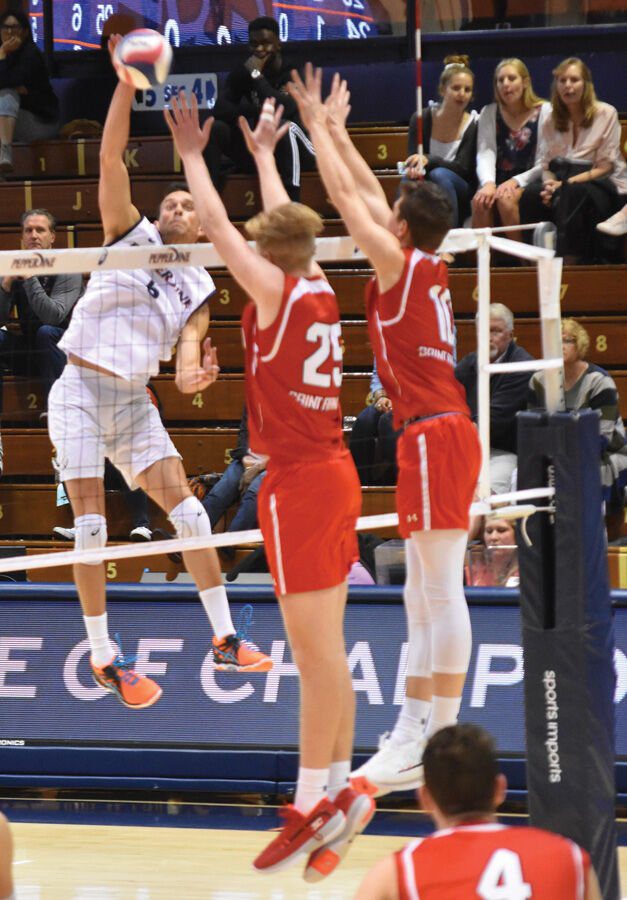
(79, 24)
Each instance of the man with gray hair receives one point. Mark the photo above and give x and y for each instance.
(508, 395)
(43, 305)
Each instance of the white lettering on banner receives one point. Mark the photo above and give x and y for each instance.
(70, 675)
(204, 86)
(620, 664)
(551, 711)
(401, 676)
(145, 646)
(213, 690)
(279, 669)
(361, 655)
(485, 677)
(16, 691)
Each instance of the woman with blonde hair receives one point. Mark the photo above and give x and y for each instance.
(584, 176)
(587, 386)
(449, 138)
(507, 145)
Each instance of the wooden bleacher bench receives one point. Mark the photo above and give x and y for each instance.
(76, 200)
(585, 289)
(382, 147)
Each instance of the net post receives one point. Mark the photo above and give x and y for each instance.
(549, 284)
(483, 360)
(568, 639)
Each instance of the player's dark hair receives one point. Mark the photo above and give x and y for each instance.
(170, 189)
(263, 23)
(40, 211)
(460, 770)
(22, 20)
(427, 211)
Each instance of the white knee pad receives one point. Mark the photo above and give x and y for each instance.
(190, 519)
(442, 557)
(418, 616)
(90, 533)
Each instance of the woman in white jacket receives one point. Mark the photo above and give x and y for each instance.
(507, 145)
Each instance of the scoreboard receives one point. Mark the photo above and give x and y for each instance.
(79, 24)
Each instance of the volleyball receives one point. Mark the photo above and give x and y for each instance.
(143, 58)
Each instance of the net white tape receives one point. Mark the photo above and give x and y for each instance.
(329, 250)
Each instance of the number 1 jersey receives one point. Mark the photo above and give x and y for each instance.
(412, 331)
(294, 374)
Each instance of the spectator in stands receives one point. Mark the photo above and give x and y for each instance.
(263, 75)
(240, 481)
(507, 145)
(494, 562)
(508, 395)
(29, 109)
(43, 307)
(449, 138)
(616, 225)
(373, 426)
(587, 386)
(470, 852)
(582, 177)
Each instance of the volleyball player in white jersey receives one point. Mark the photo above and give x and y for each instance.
(122, 326)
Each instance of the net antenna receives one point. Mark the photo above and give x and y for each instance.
(549, 270)
(329, 250)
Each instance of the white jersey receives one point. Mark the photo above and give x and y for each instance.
(129, 320)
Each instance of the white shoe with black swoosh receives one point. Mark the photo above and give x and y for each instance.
(392, 768)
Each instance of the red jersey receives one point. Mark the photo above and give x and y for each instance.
(413, 335)
(294, 374)
(492, 862)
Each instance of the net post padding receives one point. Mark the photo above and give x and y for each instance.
(568, 639)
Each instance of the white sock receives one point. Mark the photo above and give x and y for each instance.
(444, 711)
(216, 606)
(103, 650)
(310, 788)
(338, 777)
(411, 722)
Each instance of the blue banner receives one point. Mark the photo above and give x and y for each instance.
(47, 694)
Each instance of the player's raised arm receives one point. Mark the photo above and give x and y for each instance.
(379, 244)
(195, 371)
(368, 185)
(114, 188)
(261, 144)
(261, 280)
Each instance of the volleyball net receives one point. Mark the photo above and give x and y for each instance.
(111, 265)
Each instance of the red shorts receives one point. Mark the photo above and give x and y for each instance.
(438, 468)
(307, 514)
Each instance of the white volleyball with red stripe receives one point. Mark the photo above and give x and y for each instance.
(143, 58)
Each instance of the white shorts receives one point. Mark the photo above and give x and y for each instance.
(92, 415)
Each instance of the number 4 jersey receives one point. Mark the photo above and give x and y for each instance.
(492, 862)
(412, 331)
(294, 374)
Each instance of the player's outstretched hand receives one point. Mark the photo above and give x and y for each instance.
(182, 120)
(210, 360)
(308, 96)
(268, 131)
(338, 102)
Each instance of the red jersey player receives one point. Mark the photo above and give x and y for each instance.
(471, 856)
(411, 327)
(310, 498)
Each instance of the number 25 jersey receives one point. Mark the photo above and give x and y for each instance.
(294, 374)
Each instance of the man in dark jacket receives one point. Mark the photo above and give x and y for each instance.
(263, 75)
(43, 306)
(508, 395)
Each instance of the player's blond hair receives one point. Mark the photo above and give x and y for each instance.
(287, 233)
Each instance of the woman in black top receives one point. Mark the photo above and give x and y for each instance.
(449, 138)
(29, 109)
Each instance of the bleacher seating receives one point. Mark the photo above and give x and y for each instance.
(62, 176)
